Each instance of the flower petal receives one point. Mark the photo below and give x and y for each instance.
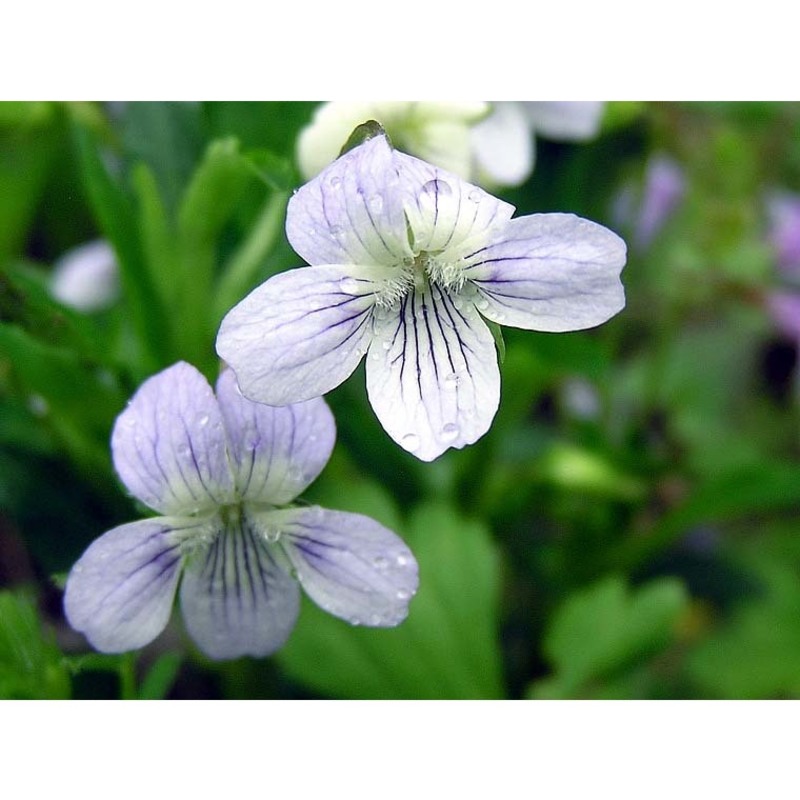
(349, 565)
(235, 597)
(503, 146)
(445, 212)
(276, 452)
(550, 272)
(571, 120)
(169, 444)
(432, 374)
(120, 593)
(349, 213)
(298, 335)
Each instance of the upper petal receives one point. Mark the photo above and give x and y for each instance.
(300, 334)
(550, 272)
(445, 212)
(432, 374)
(236, 599)
(276, 452)
(570, 120)
(169, 444)
(503, 146)
(349, 565)
(120, 593)
(350, 213)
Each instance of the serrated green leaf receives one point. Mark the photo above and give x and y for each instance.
(447, 648)
(600, 630)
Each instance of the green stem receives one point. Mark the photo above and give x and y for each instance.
(127, 676)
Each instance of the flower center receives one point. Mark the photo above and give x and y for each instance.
(418, 272)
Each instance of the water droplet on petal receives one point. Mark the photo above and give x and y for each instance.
(375, 619)
(203, 421)
(450, 432)
(272, 535)
(386, 345)
(451, 381)
(482, 304)
(475, 195)
(402, 559)
(410, 442)
(381, 562)
(348, 285)
(335, 182)
(403, 594)
(437, 188)
(375, 204)
(375, 355)
(337, 232)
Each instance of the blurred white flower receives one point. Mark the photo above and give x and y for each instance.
(87, 278)
(504, 148)
(435, 132)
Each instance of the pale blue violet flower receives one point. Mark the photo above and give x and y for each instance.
(222, 471)
(503, 144)
(408, 260)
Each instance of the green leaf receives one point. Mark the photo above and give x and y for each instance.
(447, 648)
(209, 201)
(168, 138)
(608, 627)
(278, 173)
(31, 666)
(159, 679)
(499, 341)
(115, 214)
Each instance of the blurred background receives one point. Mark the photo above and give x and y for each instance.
(628, 528)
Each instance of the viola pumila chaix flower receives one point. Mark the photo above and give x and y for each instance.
(222, 471)
(407, 263)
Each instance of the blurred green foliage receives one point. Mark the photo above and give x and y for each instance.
(629, 527)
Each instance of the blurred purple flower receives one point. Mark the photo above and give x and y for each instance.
(645, 210)
(222, 470)
(408, 260)
(783, 211)
(784, 231)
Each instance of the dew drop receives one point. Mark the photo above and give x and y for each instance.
(475, 195)
(375, 204)
(401, 559)
(410, 442)
(482, 304)
(335, 182)
(403, 594)
(437, 188)
(450, 432)
(381, 562)
(272, 535)
(451, 381)
(337, 232)
(348, 285)
(375, 355)
(203, 421)
(77, 568)
(386, 345)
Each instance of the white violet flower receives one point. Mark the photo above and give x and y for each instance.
(408, 260)
(435, 132)
(503, 144)
(87, 277)
(222, 471)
